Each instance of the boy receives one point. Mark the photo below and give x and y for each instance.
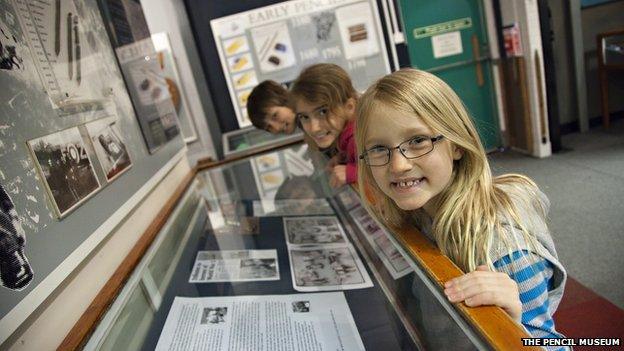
(269, 109)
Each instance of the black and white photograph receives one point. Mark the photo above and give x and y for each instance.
(258, 268)
(109, 146)
(298, 207)
(380, 241)
(314, 230)
(301, 306)
(327, 269)
(63, 162)
(348, 198)
(213, 315)
(235, 266)
(15, 271)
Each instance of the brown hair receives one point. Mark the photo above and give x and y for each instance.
(264, 96)
(324, 83)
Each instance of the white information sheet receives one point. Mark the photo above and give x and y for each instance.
(310, 322)
(301, 207)
(447, 44)
(379, 239)
(235, 266)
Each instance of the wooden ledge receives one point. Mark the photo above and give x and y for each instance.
(491, 322)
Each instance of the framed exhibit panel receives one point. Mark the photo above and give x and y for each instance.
(276, 42)
(73, 160)
(142, 71)
(169, 71)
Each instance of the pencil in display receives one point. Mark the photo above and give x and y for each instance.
(77, 44)
(70, 48)
(57, 28)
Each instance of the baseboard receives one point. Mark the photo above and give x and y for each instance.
(573, 127)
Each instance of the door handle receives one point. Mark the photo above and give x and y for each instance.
(476, 54)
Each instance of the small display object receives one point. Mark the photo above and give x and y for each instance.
(63, 162)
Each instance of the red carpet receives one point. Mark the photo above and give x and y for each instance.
(585, 314)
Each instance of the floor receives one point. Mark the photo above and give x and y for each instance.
(585, 186)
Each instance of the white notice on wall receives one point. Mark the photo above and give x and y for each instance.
(447, 44)
(319, 321)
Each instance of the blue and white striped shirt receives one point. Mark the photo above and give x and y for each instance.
(534, 276)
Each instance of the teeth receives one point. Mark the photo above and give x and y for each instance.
(409, 183)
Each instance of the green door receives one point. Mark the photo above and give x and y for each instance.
(448, 38)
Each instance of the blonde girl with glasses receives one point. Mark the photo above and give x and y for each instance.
(423, 161)
(325, 101)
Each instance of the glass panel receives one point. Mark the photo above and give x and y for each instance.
(403, 310)
(132, 325)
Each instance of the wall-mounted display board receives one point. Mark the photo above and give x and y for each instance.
(72, 159)
(142, 72)
(169, 71)
(276, 42)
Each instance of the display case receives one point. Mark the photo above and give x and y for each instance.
(262, 254)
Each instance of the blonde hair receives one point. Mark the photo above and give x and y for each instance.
(473, 206)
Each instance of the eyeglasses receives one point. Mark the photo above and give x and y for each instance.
(415, 147)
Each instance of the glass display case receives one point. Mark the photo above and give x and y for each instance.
(262, 252)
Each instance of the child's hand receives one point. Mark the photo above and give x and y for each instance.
(338, 176)
(332, 163)
(484, 287)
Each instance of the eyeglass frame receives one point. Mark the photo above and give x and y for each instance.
(391, 149)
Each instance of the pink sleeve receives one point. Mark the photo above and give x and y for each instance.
(351, 173)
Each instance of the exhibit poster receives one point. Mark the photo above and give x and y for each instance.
(109, 146)
(142, 72)
(276, 42)
(63, 162)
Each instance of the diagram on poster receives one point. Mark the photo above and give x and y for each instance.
(273, 47)
(64, 53)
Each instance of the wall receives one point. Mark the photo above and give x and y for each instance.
(525, 13)
(170, 16)
(48, 326)
(598, 19)
(564, 65)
